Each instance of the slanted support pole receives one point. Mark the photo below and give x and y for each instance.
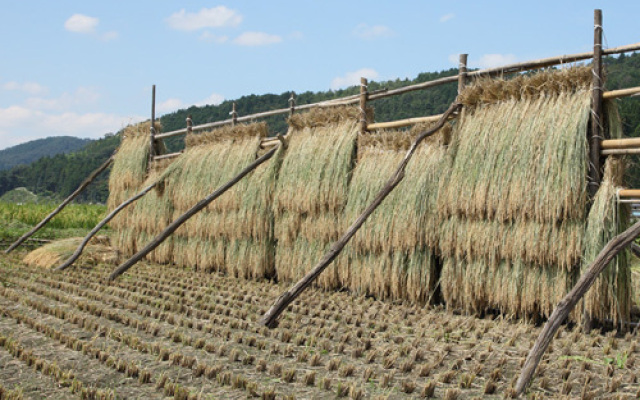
(152, 130)
(270, 318)
(102, 223)
(190, 213)
(597, 129)
(292, 103)
(462, 72)
(364, 94)
(563, 309)
(62, 205)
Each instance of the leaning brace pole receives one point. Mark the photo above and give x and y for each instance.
(62, 205)
(270, 317)
(563, 309)
(191, 212)
(102, 223)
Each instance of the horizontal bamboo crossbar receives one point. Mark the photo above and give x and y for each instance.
(629, 193)
(403, 122)
(164, 156)
(614, 94)
(620, 143)
(506, 69)
(620, 152)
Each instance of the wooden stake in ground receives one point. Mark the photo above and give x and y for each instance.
(102, 223)
(270, 317)
(62, 205)
(561, 312)
(190, 213)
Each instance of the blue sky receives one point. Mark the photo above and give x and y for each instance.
(85, 68)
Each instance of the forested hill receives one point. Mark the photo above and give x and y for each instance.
(26, 153)
(59, 175)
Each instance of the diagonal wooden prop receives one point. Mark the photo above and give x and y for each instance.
(102, 223)
(62, 205)
(190, 213)
(562, 310)
(270, 318)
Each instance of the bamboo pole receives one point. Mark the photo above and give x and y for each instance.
(566, 305)
(597, 131)
(379, 94)
(62, 205)
(363, 105)
(270, 318)
(626, 143)
(165, 156)
(462, 72)
(292, 104)
(402, 122)
(614, 94)
(190, 213)
(612, 152)
(152, 130)
(629, 193)
(102, 223)
(234, 114)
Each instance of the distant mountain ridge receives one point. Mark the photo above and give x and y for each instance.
(26, 153)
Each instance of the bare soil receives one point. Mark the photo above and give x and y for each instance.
(163, 332)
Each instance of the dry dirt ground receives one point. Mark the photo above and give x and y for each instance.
(162, 332)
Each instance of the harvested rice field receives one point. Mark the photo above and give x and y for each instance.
(165, 332)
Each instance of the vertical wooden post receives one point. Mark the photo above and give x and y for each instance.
(189, 124)
(364, 94)
(152, 131)
(234, 114)
(292, 103)
(596, 134)
(462, 72)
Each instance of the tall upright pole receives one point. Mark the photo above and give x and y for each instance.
(597, 130)
(364, 94)
(292, 103)
(234, 114)
(152, 131)
(462, 72)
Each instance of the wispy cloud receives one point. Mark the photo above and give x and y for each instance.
(207, 36)
(79, 23)
(257, 39)
(364, 31)
(495, 60)
(216, 17)
(82, 96)
(447, 17)
(20, 124)
(109, 36)
(353, 78)
(174, 104)
(31, 88)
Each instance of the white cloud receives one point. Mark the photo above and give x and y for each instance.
(256, 39)
(353, 78)
(216, 17)
(170, 105)
(447, 17)
(20, 124)
(174, 104)
(82, 96)
(215, 99)
(32, 88)
(495, 60)
(79, 23)
(364, 31)
(109, 36)
(207, 36)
